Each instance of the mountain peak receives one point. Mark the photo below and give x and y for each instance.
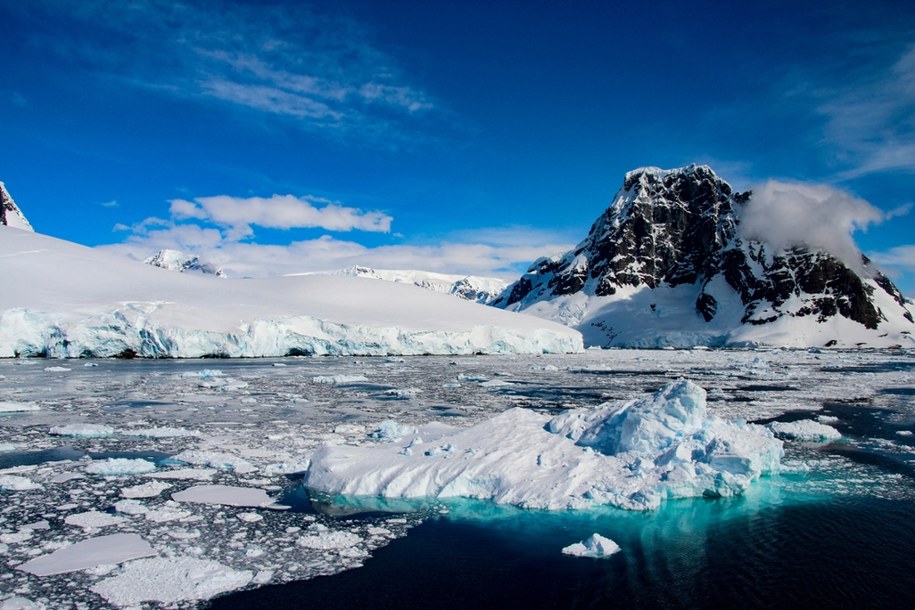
(10, 214)
(175, 260)
(673, 236)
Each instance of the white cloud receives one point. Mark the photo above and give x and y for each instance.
(900, 257)
(819, 216)
(237, 214)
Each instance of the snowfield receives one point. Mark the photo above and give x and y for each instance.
(63, 300)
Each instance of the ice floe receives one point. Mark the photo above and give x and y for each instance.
(101, 550)
(14, 482)
(805, 430)
(7, 406)
(115, 467)
(82, 430)
(224, 494)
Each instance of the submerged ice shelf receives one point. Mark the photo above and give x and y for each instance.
(239, 434)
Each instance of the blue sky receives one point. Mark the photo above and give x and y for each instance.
(458, 136)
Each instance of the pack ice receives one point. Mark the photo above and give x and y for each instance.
(61, 299)
(630, 455)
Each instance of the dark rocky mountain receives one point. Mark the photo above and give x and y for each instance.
(10, 214)
(681, 228)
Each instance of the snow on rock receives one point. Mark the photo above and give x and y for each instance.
(99, 304)
(17, 407)
(101, 550)
(215, 459)
(224, 494)
(805, 430)
(93, 519)
(115, 467)
(10, 214)
(631, 454)
(595, 546)
(170, 580)
(82, 430)
(12, 482)
(145, 490)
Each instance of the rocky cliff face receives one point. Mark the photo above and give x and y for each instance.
(10, 214)
(671, 228)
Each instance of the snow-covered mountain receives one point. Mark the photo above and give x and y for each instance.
(175, 260)
(10, 214)
(468, 287)
(666, 265)
(61, 299)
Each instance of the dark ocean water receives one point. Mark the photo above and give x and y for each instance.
(754, 552)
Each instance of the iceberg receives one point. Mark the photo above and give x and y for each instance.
(594, 546)
(631, 455)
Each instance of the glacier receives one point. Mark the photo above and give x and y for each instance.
(63, 300)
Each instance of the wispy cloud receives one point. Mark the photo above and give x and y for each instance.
(870, 119)
(318, 68)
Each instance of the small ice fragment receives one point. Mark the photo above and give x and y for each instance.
(163, 432)
(131, 507)
(92, 519)
(82, 430)
(120, 467)
(17, 407)
(595, 546)
(67, 476)
(804, 430)
(37, 525)
(329, 540)
(249, 517)
(14, 482)
(904, 432)
(339, 379)
(56, 369)
(145, 490)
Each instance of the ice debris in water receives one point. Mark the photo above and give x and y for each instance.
(12, 482)
(169, 580)
(215, 459)
(595, 546)
(160, 432)
(805, 430)
(17, 407)
(113, 467)
(629, 454)
(339, 379)
(83, 430)
(145, 490)
(17, 602)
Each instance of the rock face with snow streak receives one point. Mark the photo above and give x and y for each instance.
(665, 264)
(65, 300)
(10, 214)
(631, 455)
(175, 260)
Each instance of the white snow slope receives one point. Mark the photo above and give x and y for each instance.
(61, 299)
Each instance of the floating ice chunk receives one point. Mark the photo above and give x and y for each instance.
(495, 383)
(18, 602)
(113, 467)
(292, 467)
(37, 525)
(163, 432)
(595, 546)
(392, 431)
(805, 430)
(4, 447)
(196, 474)
(216, 459)
(904, 432)
(170, 580)
(249, 517)
(131, 507)
(167, 513)
(17, 407)
(83, 430)
(224, 494)
(403, 392)
(339, 379)
(827, 419)
(56, 369)
(67, 476)
(631, 455)
(145, 490)
(203, 374)
(92, 519)
(85, 554)
(12, 482)
(323, 539)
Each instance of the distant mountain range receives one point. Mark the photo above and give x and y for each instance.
(468, 287)
(666, 265)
